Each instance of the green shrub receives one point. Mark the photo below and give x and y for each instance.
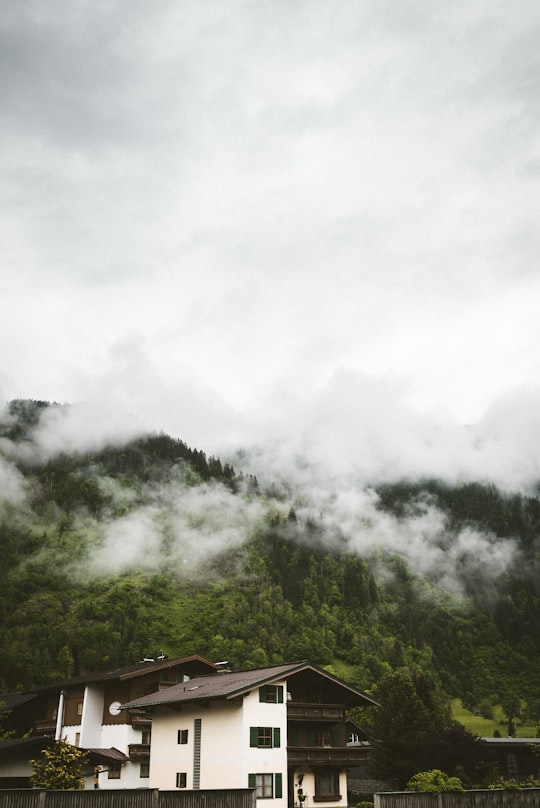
(434, 780)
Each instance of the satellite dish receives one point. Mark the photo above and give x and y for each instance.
(114, 708)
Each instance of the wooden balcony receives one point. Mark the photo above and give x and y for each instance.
(314, 712)
(325, 756)
(45, 726)
(139, 720)
(139, 751)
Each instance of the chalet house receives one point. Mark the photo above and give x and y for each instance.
(281, 730)
(515, 757)
(86, 711)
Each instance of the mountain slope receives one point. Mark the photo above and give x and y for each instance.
(119, 552)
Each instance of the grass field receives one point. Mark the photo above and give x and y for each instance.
(485, 727)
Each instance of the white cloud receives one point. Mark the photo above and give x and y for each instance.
(242, 224)
(12, 484)
(181, 529)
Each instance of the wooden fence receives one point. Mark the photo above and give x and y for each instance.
(128, 798)
(526, 798)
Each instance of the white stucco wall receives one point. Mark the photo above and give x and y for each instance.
(226, 756)
(93, 734)
(18, 768)
(221, 747)
(257, 761)
(308, 787)
(69, 733)
(92, 715)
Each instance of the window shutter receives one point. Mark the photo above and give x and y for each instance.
(280, 694)
(279, 785)
(252, 781)
(254, 736)
(277, 737)
(262, 694)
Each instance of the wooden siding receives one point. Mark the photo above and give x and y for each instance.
(72, 716)
(118, 692)
(315, 712)
(129, 798)
(526, 798)
(317, 756)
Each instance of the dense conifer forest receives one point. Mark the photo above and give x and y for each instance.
(150, 547)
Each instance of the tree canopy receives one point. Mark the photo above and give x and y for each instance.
(280, 587)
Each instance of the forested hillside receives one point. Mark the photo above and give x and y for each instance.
(123, 552)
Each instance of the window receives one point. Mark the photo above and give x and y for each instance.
(265, 737)
(77, 739)
(327, 785)
(181, 779)
(182, 736)
(512, 765)
(271, 694)
(114, 771)
(323, 738)
(146, 737)
(144, 769)
(266, 785)
(79, 707)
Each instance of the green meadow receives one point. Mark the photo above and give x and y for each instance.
(487, 727)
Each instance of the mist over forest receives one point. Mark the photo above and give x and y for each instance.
(118, 545)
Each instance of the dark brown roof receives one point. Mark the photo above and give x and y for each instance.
(122, 674)
(7, 745)
(107, 754)
(510, 742)
(10, 700)
(238, 683)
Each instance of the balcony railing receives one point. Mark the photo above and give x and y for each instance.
(139, 720)
(336, 756)
(45, 726)
(139, 751)
(314, 712)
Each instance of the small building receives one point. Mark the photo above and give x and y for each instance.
(86, 711)
(280, 730)
(15, 756)
(515, 757)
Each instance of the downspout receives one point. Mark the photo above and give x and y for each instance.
(60, 715)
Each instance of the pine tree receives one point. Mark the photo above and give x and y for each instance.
(61, 767)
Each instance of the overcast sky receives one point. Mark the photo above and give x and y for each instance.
(291, 222)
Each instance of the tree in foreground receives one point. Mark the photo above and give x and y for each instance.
(61, 767)
(412, 732)
(434, 780)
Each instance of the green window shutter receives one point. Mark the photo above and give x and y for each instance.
(254, 736)
(279, 785)
(280, 694)
(252, 781)
(277, 737)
